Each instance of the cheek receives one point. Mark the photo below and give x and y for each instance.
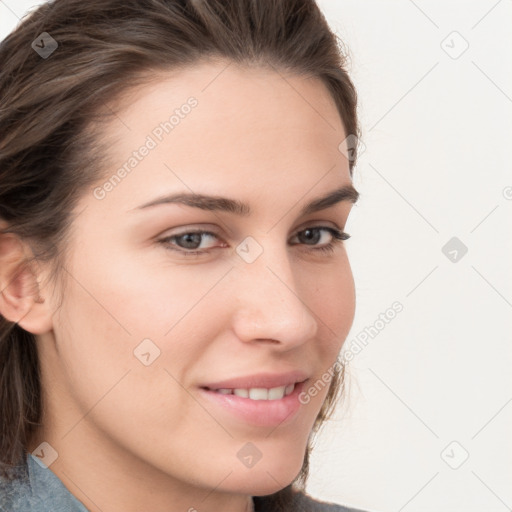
(333, 303)
(119, 314)
(102, 323)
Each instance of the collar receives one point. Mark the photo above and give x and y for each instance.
(47, 487)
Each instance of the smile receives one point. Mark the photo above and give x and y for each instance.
(257, 406)
(276, 393)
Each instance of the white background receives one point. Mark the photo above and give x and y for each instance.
(433, 386)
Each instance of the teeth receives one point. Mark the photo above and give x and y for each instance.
(259, 393)
(276, 393)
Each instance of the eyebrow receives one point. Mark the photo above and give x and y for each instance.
(216, 203)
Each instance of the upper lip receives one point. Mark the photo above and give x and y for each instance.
(259, 380)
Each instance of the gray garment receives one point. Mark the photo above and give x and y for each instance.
(301, 503)
(38, 489)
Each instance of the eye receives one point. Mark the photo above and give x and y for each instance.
(188, 242)
(311, 234)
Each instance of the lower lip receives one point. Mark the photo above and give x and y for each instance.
(263, 413)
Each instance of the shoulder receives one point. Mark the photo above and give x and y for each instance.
(299, 502)
(35, 488)
(309, 504)
(15, 490)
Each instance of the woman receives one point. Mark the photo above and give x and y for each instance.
(175, 177)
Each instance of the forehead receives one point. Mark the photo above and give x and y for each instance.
(254, 125)
(235, 99)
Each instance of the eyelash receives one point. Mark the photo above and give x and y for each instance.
(338, 237)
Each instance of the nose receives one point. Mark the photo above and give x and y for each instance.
(270, 303)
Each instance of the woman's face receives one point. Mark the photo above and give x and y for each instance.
(148, 330)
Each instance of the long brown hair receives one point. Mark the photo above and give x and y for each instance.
(48, 154)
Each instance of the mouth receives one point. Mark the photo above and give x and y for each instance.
(276, 393)
(258, 400)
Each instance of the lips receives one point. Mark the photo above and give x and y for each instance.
(263, 399)
(260, 380)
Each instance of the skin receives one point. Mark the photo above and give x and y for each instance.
(133, 437)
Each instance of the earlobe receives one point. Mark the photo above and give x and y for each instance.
(20, 299)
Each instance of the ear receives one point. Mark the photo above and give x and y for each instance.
(20, 299)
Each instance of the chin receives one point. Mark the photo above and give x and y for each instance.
(265, 478)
